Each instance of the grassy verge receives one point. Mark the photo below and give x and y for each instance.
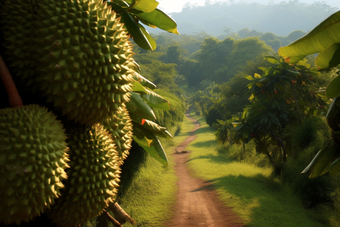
(257, 198)
(153, 192)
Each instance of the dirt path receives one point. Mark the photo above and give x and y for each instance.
(197, 202)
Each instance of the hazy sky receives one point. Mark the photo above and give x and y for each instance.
(170, 6)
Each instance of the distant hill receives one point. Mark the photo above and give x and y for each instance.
(221, 18)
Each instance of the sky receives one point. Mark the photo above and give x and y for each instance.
(170, 6)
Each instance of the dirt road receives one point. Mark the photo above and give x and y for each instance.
(197, 202)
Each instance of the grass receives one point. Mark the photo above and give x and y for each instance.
(253, 194)
(153, 193)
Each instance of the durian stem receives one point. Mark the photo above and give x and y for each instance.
(113, 221)
(120, 214)
(14, 98)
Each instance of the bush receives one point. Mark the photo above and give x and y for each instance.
(250, 155)
(312, 192)
(305, 141)
(313, 130)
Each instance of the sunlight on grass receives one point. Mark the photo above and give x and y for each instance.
(257, 198)
(152, 194)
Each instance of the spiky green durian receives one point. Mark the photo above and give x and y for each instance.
(85, 52)
(92, 179)
(33, 156)
(120, 127)
(18, 31)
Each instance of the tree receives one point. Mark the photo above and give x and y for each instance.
(323, 39)
(283, 95)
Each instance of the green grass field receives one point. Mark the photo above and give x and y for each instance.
(257, 198)
(253, 194)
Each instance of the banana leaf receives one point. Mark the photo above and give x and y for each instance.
(333, 108)
(329, 57)
(322, 161)
(316, 41)
(333, 88)
(335, 167)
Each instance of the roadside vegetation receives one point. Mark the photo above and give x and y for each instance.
(248, 185)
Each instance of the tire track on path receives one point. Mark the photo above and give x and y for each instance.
(197, 202)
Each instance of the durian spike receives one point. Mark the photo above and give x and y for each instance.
(14, 98)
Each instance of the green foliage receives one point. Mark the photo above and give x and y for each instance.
(323, 39)
(281, 97)
(172, 117)
(313, 131)
(146, 12)
(312, 192)
(163, 74)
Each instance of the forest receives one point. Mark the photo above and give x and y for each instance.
(87, 116)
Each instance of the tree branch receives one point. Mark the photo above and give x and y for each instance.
(120, 214)
(14, 98)
(112, 220)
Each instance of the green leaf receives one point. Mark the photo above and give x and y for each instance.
(257, 76)
(251, 97)
(148, 36)
(292, 72)
(335, 167)
(248, 77)
(322, 161)
(146, 5)
(265, 70)
(333, 109)
(136, 118)
(137, 106)
(155, 100)
(137, 87)
(150, 143)
(135, 31)
(272, 59)
(329, 57)
(333, 88)
(158, 18)
(145, 82)
(317, 40)
(156, 129)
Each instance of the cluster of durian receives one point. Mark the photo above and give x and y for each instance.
(77, 54)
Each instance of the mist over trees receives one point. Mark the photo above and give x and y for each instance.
(228, 18)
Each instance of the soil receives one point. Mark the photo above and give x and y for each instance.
(197, 202)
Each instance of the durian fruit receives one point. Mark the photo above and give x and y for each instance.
(33, 159)
(84, 53)
(17, 24)
(120, 127)
(92, 179)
